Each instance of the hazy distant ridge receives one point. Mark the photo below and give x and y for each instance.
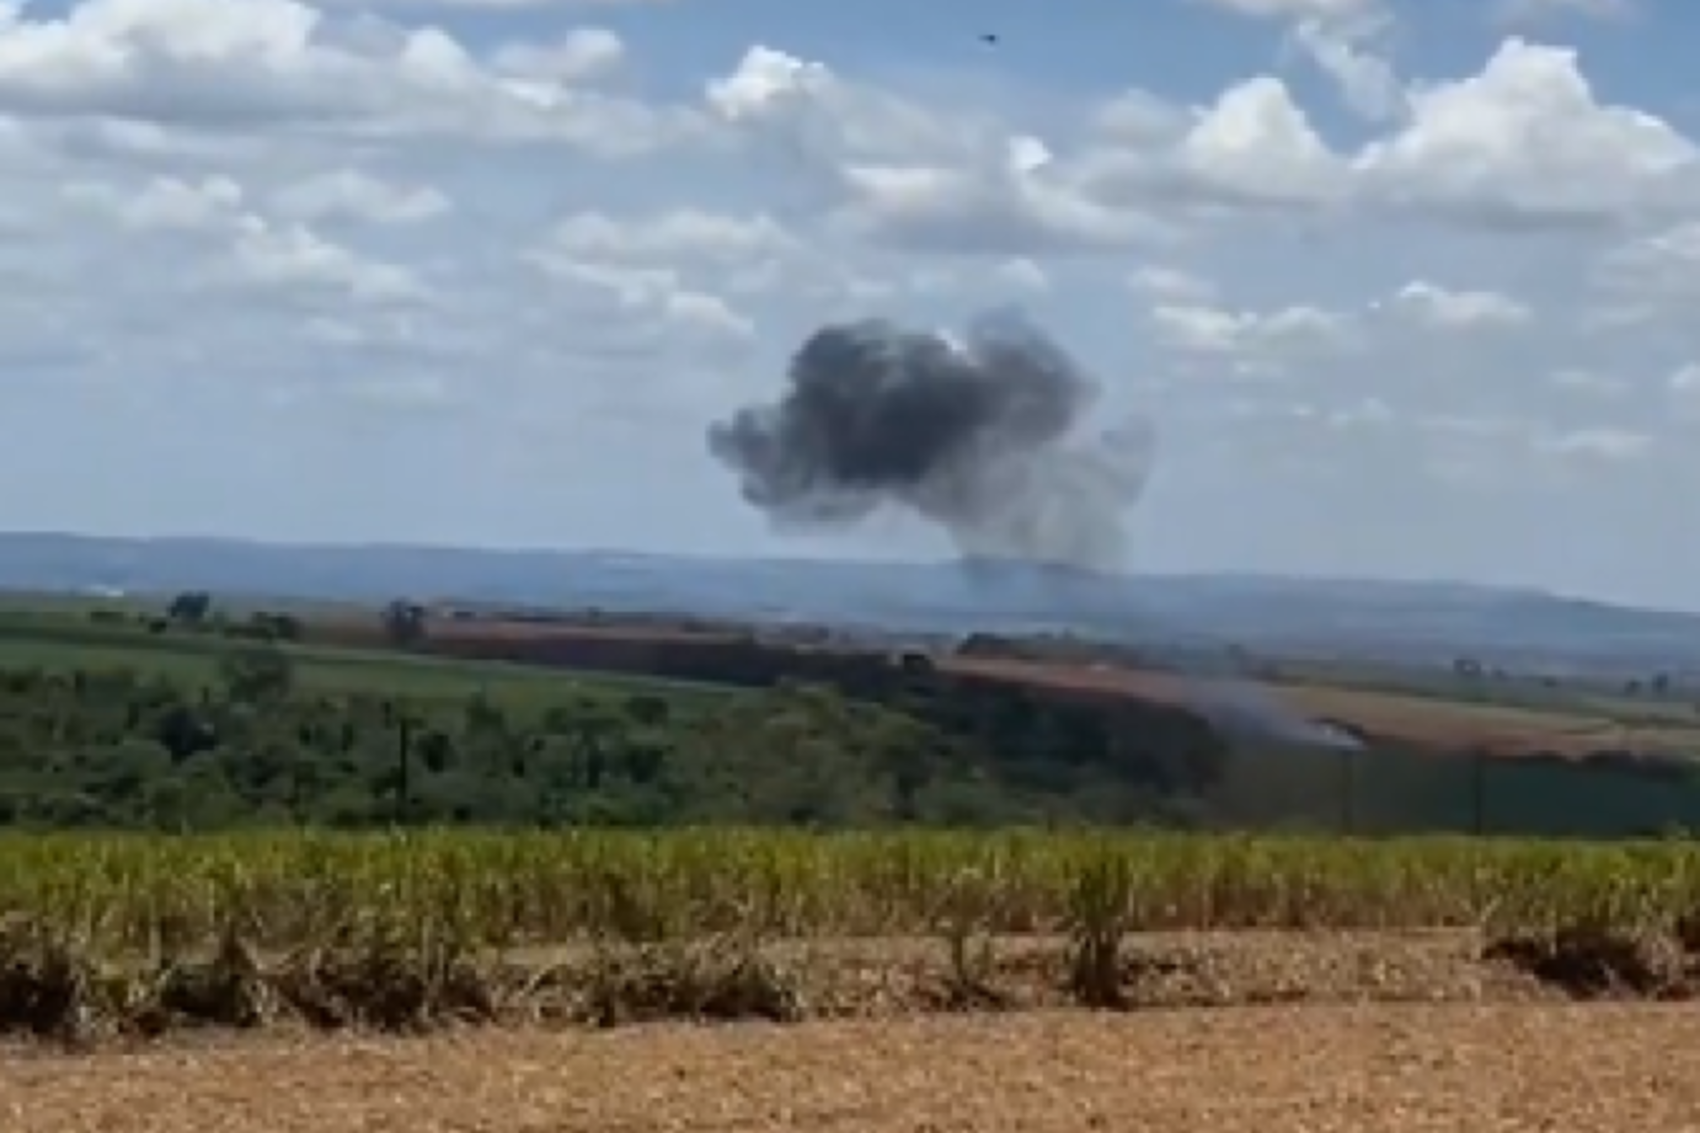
(1335, 615)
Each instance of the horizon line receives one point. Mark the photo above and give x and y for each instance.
(543, 550)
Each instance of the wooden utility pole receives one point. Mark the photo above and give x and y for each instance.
(1348, 788)
(1478, 791)
(404, 769)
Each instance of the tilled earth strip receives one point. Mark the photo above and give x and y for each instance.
(1378, 1068)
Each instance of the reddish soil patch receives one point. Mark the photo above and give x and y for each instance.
(1162, 688)
(1417, 720)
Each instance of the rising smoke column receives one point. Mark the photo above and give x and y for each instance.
(988, 438)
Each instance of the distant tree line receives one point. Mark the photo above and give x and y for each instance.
(192, 611)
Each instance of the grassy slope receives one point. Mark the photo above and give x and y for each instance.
(61, 639)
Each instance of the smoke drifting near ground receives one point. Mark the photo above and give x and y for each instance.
(990, 438)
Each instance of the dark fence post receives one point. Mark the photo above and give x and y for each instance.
(1478, 791)
(404, 768)
(1348, 789)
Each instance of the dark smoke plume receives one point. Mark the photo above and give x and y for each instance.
(987, 438)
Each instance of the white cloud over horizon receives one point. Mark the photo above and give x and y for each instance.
(483, 270)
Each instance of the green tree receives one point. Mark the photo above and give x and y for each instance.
(190, 608)
(257, 676)
(404, 621)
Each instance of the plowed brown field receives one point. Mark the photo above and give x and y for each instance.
(1476, 1068)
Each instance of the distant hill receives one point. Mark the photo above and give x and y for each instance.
(1349, 618)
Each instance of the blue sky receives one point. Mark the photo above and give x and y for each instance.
(1403, 289)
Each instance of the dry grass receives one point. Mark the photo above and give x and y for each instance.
(115, 937)
(73, 1003)
(1270, 1070)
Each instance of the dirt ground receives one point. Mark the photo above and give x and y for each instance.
(1486, 1069)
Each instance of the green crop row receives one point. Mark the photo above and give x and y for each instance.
(58, 644)
(287, 890)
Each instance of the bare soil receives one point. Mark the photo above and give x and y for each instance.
(1314, 1068)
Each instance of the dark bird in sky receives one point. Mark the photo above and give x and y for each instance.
(989, 38)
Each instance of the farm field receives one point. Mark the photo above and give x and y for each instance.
(122, 938)
(594, 736)
(500, 889)
(1580, 726)
(1500, 729)
(1592, 725)
(861, 982)
(59, 643)
(344, 651)
(1308, 1069)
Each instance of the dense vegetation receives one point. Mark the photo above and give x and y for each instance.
(190, 718)
(206, 734)
(290, 889)
(137, 936)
